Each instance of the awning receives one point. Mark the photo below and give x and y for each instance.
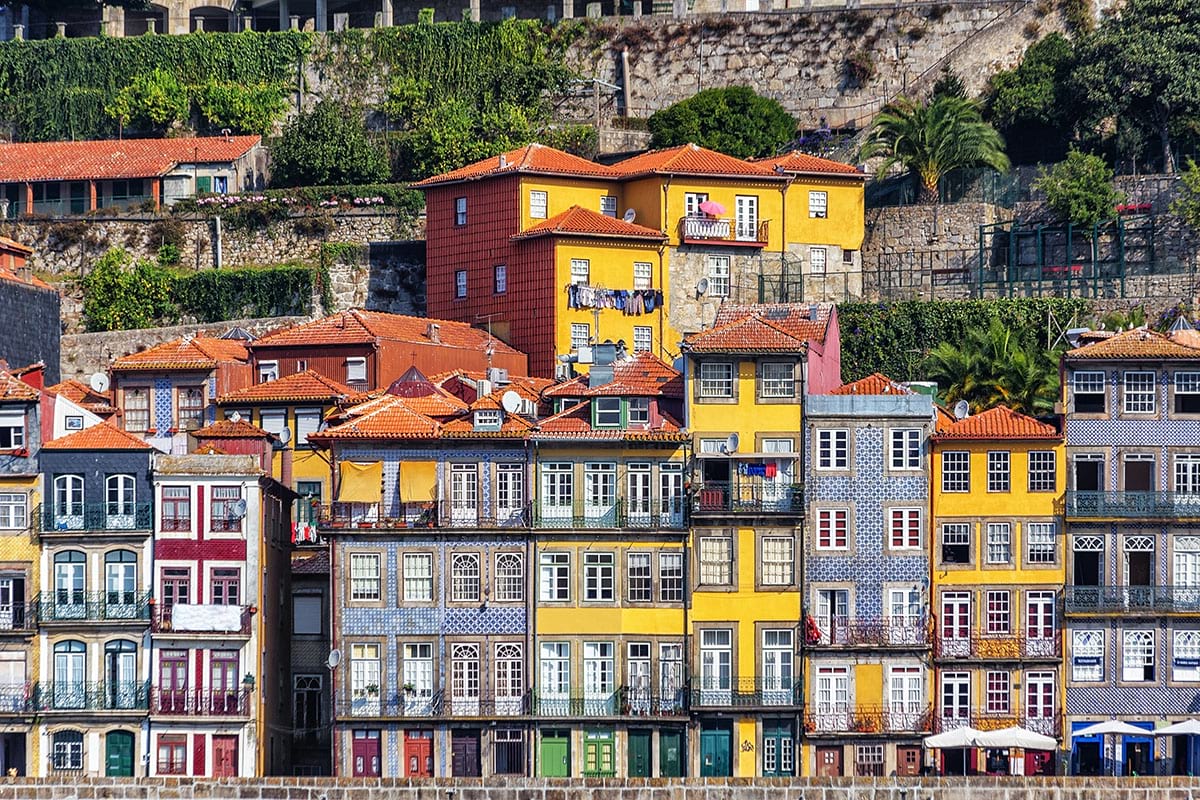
(1111, 726)
(955, 738)
(360, 483)
(1015, 736)
(418, 481)
(1189, 727)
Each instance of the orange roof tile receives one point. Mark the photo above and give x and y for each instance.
(114, 158)
(691, 159)
(209, 449)
(104, 436)
(873, 384)
(766, 328)
(532, 158)
(200, 352)
(579, 221)
(1140, 343)
(513, 426)
(306, 385)
(576, 423)
(530, 388)
(12, 244)
(83, 395)
(13, 388)
(363, 327)
(798, 162)
(29, 280)
(230, 429)
(389, 418)
(1000, 422)
(643, 375)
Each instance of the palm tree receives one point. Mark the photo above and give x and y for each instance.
(990, 368)
(931, 139)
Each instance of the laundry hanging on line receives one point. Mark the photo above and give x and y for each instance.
(633, 302)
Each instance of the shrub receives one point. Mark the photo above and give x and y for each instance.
(1080, 189)
(154, 102)
(734, 120)
(327, 145)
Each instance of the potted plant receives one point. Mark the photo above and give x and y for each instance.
(409, 688)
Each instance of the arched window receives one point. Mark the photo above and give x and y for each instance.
(68, 503)
(70, 676)
(67, 747)
(120, 583)
(69, 586)
(121, 686)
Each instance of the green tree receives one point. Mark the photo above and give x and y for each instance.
(949, 84)
(120, 294)
(991, 367)
(327, 146)
(1034, 105)
(241, 108)
(931, 139)
(1080, 189)
(734, 120)
(154, 101)
(1186, 205)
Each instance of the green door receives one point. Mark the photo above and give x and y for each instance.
(599, 754)
(778, 754)
(714, 751)
(118, 752)
(670, 754)
(555, 755)
(639, 754)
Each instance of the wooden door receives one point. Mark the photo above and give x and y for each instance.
(555, 755)
(418, 754)
(714, 752)
(829, 762)
(464, 754)
(670, 754)
(118, 751)
(366, 754)
(639, 754)
(908, 760)
(225, 756)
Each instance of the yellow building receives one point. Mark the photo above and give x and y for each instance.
(998, 569)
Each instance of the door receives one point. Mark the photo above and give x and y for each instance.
(12, 603)
(365, 751)
(638, 501)
(464, 754)
(904, 622)
(225, 759)
(69, 585)
(714, 752)
(670, 497)
(599, 754)
(746, 218)
(639, 754)
(1039, 762)
(1039, 702)
(119, 508)
(833, 615)
(832, 695)
(464, 493)
(1040, 635)
(69, 675)
(223, 682)
(906, 698)
(956, 699)
(172, 682)
(554, 757)
(778, 750)
(418, 754)
(908, 760)
(1139, 756)
(829, 762)
(670, 754)
(122, 689)
(637, 667)
(120, 583)
(956, 624)
(118, 754)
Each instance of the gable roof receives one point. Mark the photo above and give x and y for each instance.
(1000, 422)
(115, 158)
(104, 436)
(389, 417)
(576, 423)
(802, 163)
(12, 244)
(300, 386)
(357, 326)
(7, 274)
(200, 352)
(579, 221)
(692, 159)
(13, 388)
(532, 158)
(83, 395)
(873, 384)
(229, 429)
(643, 375)
(762, 328)
(1141, 343)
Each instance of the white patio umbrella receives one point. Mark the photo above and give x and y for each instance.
(1016, 736)
(1111, 726)
(965, 736)
(1189, 727)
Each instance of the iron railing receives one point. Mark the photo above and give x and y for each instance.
(1010, 646)
(841, 631)
(369, 703)
(94, 517)
(754, 497)
(643, 514)
(378, 515)
(67, 605)
(201, 702)
(93, 696)
(17, 698)
(1048, 724)
(1131, 599)
(843, 718)
(746, 692)
(18, 617)
(163, 619)
(1140, 505)
(710, 229)
(623, 701)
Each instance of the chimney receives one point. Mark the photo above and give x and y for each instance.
(503, 161)
(432, 333)
(813, 312)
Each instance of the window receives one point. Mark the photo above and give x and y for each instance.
(301, 365)
(191, 407)
(716, 379)
(556, 576)
(307, 615)
(999, 612)
(906, 448)
(999, 550)
(14, 510)
(718, 276)
(137, 409)
(460, 211)
(176, 586)
(226, 586)
(905, 527)
(643, 338)
(599, 577)
(1138, 657)
(643, 272)
(1139, 392)
(556, 669)
(1042, 471)
(464, 578)
(580, 270)
(364, 676)
(486, 419)
(68, 502)
(364, 577)
(997, 471)
(1040, 542)
(509, 669)
(716, 658)
(1185, 656)
(1087, 655)
(868, 760)
(418, 673)
(460, 283)
(268, 371)
(557, 490)
(1187, 473)
(172, 755)
(818, 205)
(608, 205)
(777, 560)
(537, 204)
(833, 449)
(998, 692)
(777, 651)
(1187, 392)
(956, 542)
(745, 217)
(716, 561)
(833, 529)
(956, 471)
(510, 578)
(607, 411)
(308, 422)
(307, 704)
(848, 256)
(670, 577)
(817, 260)
(639, 410)
(418, 577)
(500, 279)
(691, 203)
(226, 509)
(639, 578)
(74, 422)
(510, 491)
(1088, 389)
(67, 750)
(273, 420)
(778, 379)
(581, 335)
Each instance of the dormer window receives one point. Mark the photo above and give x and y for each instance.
(639, 411)
(488, 419)
(607, 412)
(356, 370)
(268, 371)
(12, 430)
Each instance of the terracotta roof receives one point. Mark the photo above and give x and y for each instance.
(514, 426)
(691, 159)
(228, 429)
(12, 244)
(200, 352)
(943, 419)
(98, 437)
(389, 418)
(1140, 343)
(873, 384)
(766, 328)
(532, 158)
(365, 327)
(209, 449)
(1000, 422)
(643, 375)
(29, 280)
(576, 423)
(114, 158)
(465, 381)
(13, 388)
(307, 385)
(796, 161)
(83, 395)
(579, 221)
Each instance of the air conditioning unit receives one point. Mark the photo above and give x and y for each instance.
(562, 372)
(585, 355)
(497, 375)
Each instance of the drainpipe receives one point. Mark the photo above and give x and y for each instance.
(803, 442)
(335, 753)
(150, 648)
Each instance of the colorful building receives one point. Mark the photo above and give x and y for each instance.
(998, 567)
(866, 580)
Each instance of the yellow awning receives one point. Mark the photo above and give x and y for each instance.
(360, 483)
(418, 481)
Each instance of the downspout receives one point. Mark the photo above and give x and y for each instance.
(150, 643)
(783, 240)
(662, 307)
(803, 442)
(335, 753)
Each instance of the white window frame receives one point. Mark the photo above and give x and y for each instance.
(1041, 542)
(907, 522)
(778, 380)
(500, 279)
(719, 275)
(510, 578)
(717, 379)
(1089, 382)
(1139, 392)
(905, 448)
(715, 560)
(1137, 655)
(778, 561)
(956, 471)
(581, 335)
(599, 577)
(417, 577)
(829, 522)
(465, 577)
(14, 510)
(1087, 644)
(554, 576)
(460, 284)
(643, 275)
(643, 338)
(1043, 471)
(999, 542)
(365, 572)
(999, 471)
(608, 205)
(460, 211)
(539, 203)
(818, 205)
(833, 448)
(581, 271)
(818, 261)
(1185, 644)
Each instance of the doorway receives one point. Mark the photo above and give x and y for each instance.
(670, 754)
(1139, 756)
(639, 754)
(829, 761)
(118, 754)
(715, 758)
(908, 760)
(778, 751)
(464, 754)
(418, 754)
(1139, 474)
(12, 753)
(554, 757)
(366, 754)
(225, 756)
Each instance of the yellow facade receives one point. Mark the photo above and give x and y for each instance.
(562, 193)
(742, 414)
(21, 553)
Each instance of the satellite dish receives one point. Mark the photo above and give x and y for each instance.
(510, 401)
(285, 435)
(335, 658)
(702, 286)
(238, 509)
(235, 417)
(962, 409)
(98, 382)
(731, 444)
(630, 215)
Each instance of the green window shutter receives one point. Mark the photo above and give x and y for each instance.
(203, 184)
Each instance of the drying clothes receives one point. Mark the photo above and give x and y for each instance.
(632, 302)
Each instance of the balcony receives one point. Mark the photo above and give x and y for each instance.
(650, 513)
(626, 701)
(93, 518)
(18, 618)
(840, 719)
(842, 632)
(1013, 646)
(745, 692)
(1134, 505)
(366, 703)
(1047, 724)
(72, 606)
(418, 515)
(17, 698)
(748, 497)
(725, 231)
(93, 696)
(201, 619)
(201, 703)
(1134, 600)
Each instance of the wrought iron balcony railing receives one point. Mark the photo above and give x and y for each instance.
(201, 618)
(707, 692)
(1140, 505)
(17, 698)
(372, 703)
(843, 718)
(93, 696)
(1132, 599)
(18, 617)
(1011, 646)
(201, 702)
(643, 514)
(94, 517)
(843, 632)
(1048, 723)
(748, 497)
(712, 229)
(68, 605)
(624, 701)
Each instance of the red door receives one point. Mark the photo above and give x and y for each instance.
(418, 754)
(366, 754)
(172, 682)
(225, 756)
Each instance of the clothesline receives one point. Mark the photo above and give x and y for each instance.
(634, 302)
